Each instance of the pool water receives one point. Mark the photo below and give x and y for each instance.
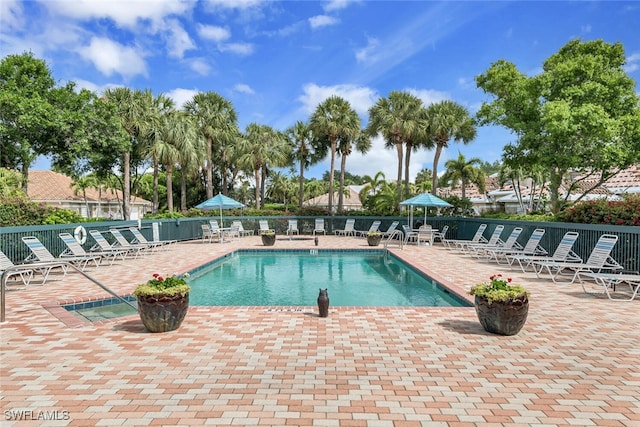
(293, 278)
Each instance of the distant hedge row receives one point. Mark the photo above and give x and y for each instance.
(624, 212)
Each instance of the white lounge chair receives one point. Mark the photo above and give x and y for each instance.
(610, 281)
(241, 230)
(600, 259)
(122, 242)
(139, 238)
(292, 227)
(41, 254)
(24, 272)
(391, 229)
(487, 251)
(563, 253)
(373, 228)
(319, 227)
(494, 240)
(477, 238)
(349, 228)
(264, 226)
(532, 247)
(75, 249)
(102, 246)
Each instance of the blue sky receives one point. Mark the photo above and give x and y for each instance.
(277, 60)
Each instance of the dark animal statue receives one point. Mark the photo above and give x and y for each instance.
(323, 303)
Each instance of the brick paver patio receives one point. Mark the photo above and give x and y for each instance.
(576, 362)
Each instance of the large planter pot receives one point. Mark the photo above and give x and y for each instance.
(374, 240)
(163, 313)
(502, 317)
(268, 239)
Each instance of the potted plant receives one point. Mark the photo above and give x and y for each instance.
(163, 302)
(501, 307)
(373, 238)
(268, 238)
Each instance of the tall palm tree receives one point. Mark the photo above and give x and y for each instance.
(448, 120)
(464, 171)
(400, 119)
(362, 144)
(133, 108)
(334, 119)
(261, 148)
(80, 186)
(305, 151)
(217, 123)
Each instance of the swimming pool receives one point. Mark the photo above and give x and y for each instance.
(293, 278)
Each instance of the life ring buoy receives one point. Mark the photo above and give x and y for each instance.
(80, 234)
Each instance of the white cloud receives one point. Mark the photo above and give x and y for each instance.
(180, 96)
(243, 88)
(110, 57)
(212, 32)
(238, 48)
(125, 14)
(369, 52)
(322, 21)
(361, 98)
(633, 63)
(232, 4)
(332, 5)
(200, 66)
(11, 15)
(178, 40)
(429, 96)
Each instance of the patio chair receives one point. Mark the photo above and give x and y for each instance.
(24, 272)
(319, 227)
(102, 246)
(139, 238)
(494, 240)
(374, 227)
(410, 236)
(41, 254)
(477, 238)
(563, 253)
(264, 226)
(391, 229)
(600, 259)
(292, 227)
(241, 231)
(348, 230)
(609, 282)
(208, 233)
(75, 249)
(425, 235)
(532, 247)
(440, 235)
(122, 242)
(487, 250)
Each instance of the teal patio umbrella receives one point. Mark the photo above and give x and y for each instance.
(220, 202)
(426, 200)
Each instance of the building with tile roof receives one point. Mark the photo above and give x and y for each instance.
(57, 190)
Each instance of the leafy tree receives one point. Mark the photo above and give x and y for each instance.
(464, 171)
(580, 114)
(334, 120)
(400, 119)
(306, 151)
(423, 181)
(448, 120)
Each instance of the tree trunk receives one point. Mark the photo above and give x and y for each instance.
(263, 189)
(301, 185)
(256, 175)
(407, 160)
(333, 163)
(343, 165)
(169, 188)
(434, 179)
(399, 179)
(126, 187)
(156, 202)
(209, 185)
(183, 191)
(555, 180)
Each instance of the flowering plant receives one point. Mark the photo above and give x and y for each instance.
(170, 285)
(499, 289)
(374, 233)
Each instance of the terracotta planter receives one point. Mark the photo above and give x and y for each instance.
(268, 239)
(502, 317)
(163, 313)
(374, 240)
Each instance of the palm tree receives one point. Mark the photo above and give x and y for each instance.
(464, 171)
(334, 119)
(133, 108)
(448, 120)
(216, 120)
(306, 152)
(362, 144)
(400, 119)
(261, 148)
(80, 185)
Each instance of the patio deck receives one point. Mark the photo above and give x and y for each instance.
(576, 362)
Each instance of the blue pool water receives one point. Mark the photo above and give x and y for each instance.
(293, 278)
